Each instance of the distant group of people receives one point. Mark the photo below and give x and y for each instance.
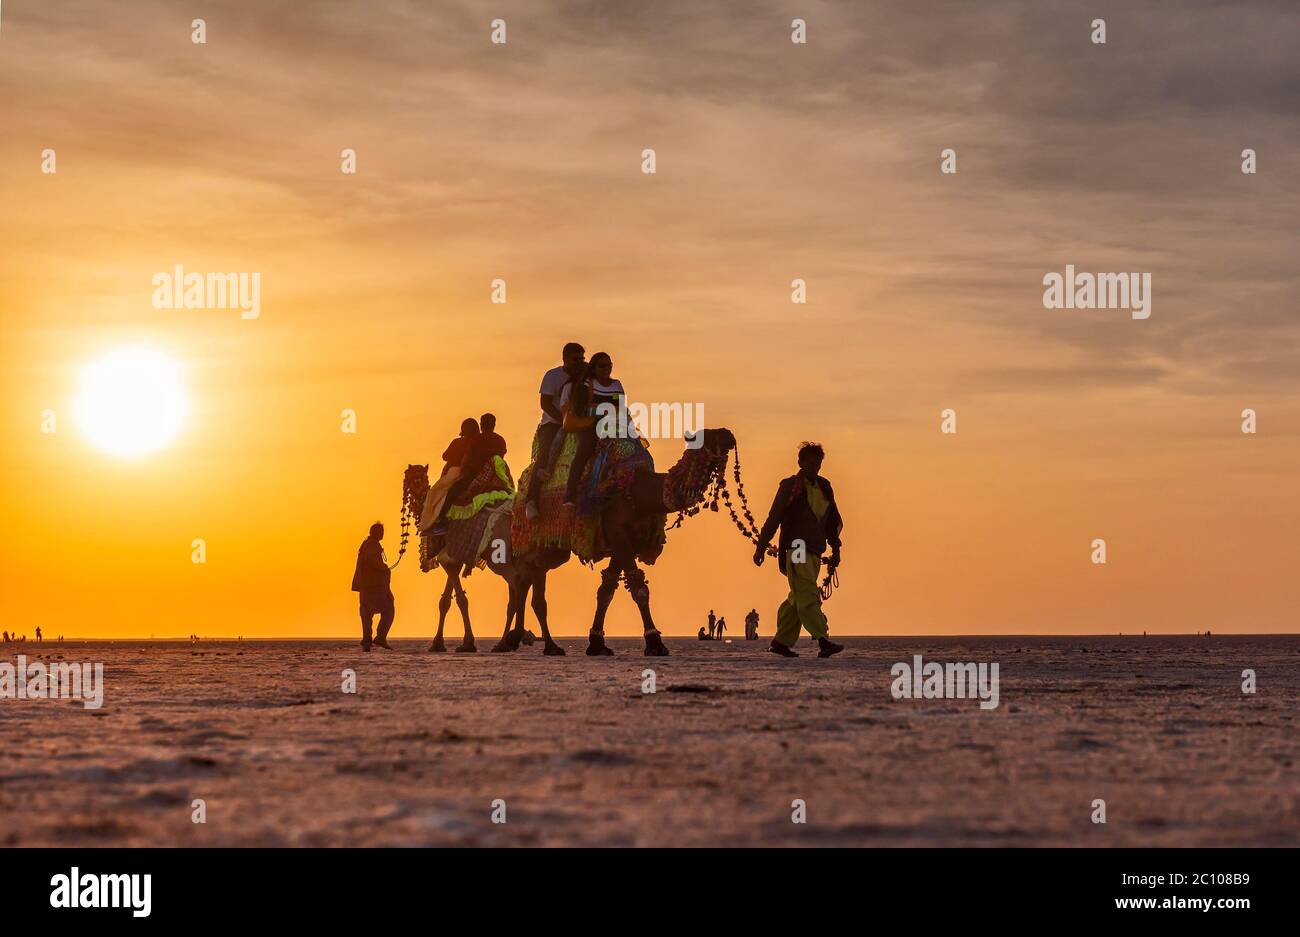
(717, 627)
(15, 639)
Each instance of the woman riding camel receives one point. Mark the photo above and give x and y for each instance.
(452, 458)
(581, 402)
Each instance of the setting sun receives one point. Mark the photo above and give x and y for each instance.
(131, 402)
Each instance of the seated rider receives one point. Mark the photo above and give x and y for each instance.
(553, 383)
(459, 447)
(452, 458)
(478, 453)
(581, 402)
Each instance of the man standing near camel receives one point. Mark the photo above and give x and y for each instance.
(371, 578)
(805, 510)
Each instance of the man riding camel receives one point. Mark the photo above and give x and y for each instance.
(805, 510)
(553, 384)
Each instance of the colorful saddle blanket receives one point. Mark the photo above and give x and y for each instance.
(492, 484)
(610, 473)
(482, 513)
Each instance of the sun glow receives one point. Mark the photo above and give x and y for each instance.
(131, 402)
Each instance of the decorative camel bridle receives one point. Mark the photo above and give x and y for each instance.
(410, 510)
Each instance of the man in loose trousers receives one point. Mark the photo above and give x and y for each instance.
(372, 579)
(804, 509)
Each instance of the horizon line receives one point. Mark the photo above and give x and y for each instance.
(633, 637)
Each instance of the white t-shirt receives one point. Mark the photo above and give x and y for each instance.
(553, 382)
(613, 389)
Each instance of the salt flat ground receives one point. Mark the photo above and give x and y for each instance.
(1158, 727)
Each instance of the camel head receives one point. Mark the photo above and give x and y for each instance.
(415, 485)
(719, 442)
(697, 469)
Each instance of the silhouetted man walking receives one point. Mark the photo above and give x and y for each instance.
(805, 510)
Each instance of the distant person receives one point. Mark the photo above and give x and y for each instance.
(574, 358)
(751, 625)
(713, 623)
(38, 635)
(804, 508)
(6, 636)
(372, 578)
(722, 626)
(702, 636)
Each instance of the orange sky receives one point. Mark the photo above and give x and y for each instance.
(775, 161)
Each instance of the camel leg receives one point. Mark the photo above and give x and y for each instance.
(551, 649)
(444, 606)
(634, 579)
(519, 635)
(521, 606)
(609, 576)
(502, 646)
(467, 646)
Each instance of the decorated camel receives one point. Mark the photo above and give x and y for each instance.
(478, 534)
(621, 517)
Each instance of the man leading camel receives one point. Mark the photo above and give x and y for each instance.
(805, 510)
(372, 578)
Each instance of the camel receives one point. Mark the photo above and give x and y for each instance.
(630, 530)
(496, 529)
